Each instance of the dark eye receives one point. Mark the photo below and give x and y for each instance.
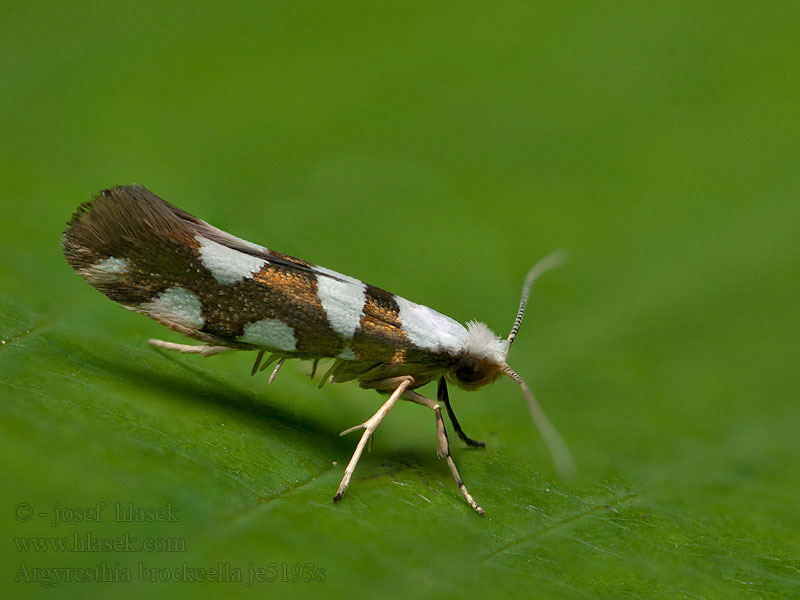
(469, 372)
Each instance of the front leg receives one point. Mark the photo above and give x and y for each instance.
(204, 349)
(443, 445)
(443, 396)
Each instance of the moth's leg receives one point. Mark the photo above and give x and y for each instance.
(369, 427)
(443, 396)
(205, 350)
(257, 364)
(278, 366)
(443, 445)
(270, 359)
(330, 374)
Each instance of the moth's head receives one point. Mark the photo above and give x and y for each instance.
(484, 359)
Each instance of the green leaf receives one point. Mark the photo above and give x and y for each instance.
(435, 151)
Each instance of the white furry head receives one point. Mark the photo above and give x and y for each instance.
(484, 343)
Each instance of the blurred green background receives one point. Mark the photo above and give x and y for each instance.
(435, 150)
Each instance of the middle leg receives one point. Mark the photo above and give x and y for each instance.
(444, 445)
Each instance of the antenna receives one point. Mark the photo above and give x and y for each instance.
(562, 457)
(551, 261)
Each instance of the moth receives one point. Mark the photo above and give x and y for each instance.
(231, 294)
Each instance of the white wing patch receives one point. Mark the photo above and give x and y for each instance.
(343, 299)
(105, 270)
(175, 305)
(271, 333)
(431, 330)
(227, 265)
(347, 354)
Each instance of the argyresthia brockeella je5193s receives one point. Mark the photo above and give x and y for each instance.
(231, 294)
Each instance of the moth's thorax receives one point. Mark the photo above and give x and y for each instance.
(484, 358)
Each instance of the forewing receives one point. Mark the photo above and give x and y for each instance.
(159, 260)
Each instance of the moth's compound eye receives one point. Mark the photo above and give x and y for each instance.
(469, 373)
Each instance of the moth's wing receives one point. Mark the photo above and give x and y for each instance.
(132, 246)
(159, 260)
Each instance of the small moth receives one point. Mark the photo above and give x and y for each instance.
(230, 294)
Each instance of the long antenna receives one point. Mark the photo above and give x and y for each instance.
(562, 457)
(551, 261)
